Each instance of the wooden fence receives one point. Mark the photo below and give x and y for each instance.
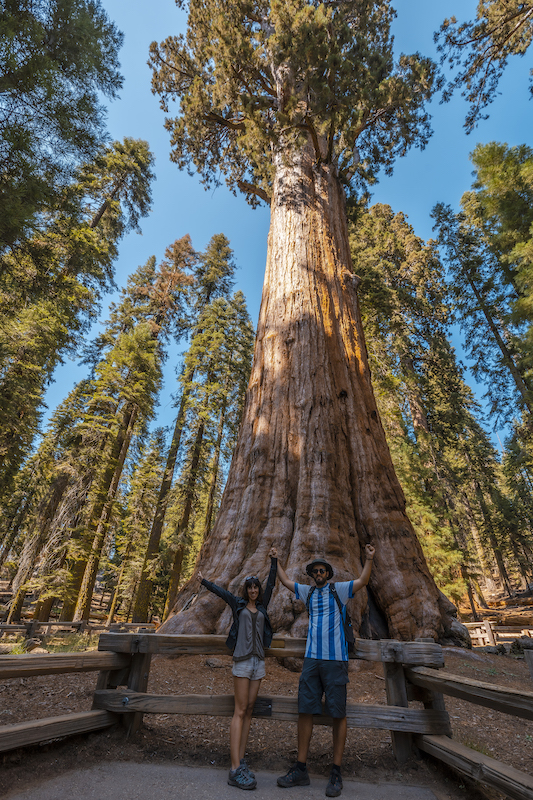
(413, 672)
(33, 627)
(487, 633)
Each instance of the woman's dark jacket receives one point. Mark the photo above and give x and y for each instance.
(237, 604)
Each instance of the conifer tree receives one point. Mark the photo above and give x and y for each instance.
(76, 254)
(141, 499)
(219, 356)
(59, 474)
(499, 210)
(116, 402)
(213, 276)
(294, 104)
(446, 464)
(161, 310)
(480, 50)
(486, 248)
(56, 58)
(405, 315)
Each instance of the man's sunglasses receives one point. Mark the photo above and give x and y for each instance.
(319, 571)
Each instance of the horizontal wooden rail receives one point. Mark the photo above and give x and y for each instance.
(282, 708)
(7, 627)
(499, 698)
(511, 628)
(22, 666)
(13, 627)
(478, 766)
(23, 734)
(411, 653)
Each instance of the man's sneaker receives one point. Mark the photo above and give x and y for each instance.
(239, 777)
(247, 769)
(294, 777)
(334, 787)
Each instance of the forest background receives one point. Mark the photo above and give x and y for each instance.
(477, 546)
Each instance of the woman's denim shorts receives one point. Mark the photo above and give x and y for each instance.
(252, 668)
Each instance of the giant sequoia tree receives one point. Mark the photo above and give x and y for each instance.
(294, 102)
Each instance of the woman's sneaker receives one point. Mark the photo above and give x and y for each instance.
(294, 777)
(239, 777)
(245, 766)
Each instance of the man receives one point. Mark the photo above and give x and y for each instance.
(325, 669)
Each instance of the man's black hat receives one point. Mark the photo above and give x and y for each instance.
(310, 567)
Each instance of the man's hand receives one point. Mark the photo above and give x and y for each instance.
(273, 552)
(364, 577)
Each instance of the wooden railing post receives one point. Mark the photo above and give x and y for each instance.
(111, 678)
(430, 698)
(490, 633)
(137, 681)
(396, 689)
(528, 656)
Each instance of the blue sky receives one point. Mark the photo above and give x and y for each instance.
(441, 172)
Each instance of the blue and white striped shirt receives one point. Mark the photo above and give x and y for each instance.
(325, 636)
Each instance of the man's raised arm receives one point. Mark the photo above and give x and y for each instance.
(364, 577)
(282, 575)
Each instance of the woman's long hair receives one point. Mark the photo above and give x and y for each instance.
(252, 580)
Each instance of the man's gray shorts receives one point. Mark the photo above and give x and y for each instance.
(323, 677)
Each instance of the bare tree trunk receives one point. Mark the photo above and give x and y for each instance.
(35, 542)
(83, 605)
(418, 413)
(144, 592)
(175, 572)
(174, 582)
(213, 470)
(477, 588)
(115, 595)
(485, 562)
(496, 549)
(312, 472)
(43, 609)
(507, 357)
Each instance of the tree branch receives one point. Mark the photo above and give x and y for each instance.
(251, 188)
(218, 119)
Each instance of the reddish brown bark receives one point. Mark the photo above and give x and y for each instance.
(311, 472)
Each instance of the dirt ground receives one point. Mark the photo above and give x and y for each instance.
(202, 740)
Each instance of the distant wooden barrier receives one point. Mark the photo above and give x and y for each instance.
(33, 627)
(487, 633)
(412, 673)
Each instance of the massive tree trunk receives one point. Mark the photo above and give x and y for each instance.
(311, 472)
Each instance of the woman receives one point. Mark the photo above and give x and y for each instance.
(250, 633)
